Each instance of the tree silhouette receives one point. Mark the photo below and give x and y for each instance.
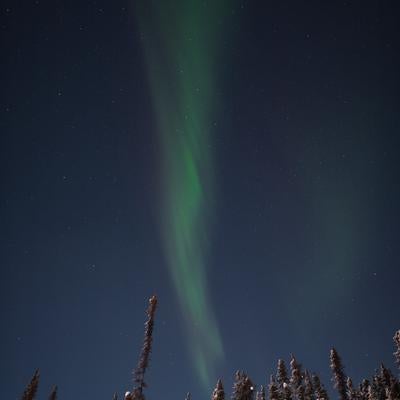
(243, 388)
(218, 393)
(339, 378)
(308, 387)
(296, 379)
(144, 358)
(53, 394)
(319, 390)
(351, 393)
(396, 339)
(31, 389)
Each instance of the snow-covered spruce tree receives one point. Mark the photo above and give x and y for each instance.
(351, 392)
(339, 378)
(392, 384)
(273, 390)
(371, 393)
(396, 339)
(319, 390)
(363, 389)
(385, 374)
(308, 387)
(218, 393)
(144, 358)
(281, 374)
(300, 393)
(243, 388)
(296, 379)
(283, 381)
(31, 389)
(378, 388)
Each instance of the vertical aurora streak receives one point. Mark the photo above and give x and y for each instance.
(180, 40)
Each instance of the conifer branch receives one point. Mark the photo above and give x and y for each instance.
(351, 394)
(396, 339)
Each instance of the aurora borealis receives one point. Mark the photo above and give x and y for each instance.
(181, 59)
(238, 159)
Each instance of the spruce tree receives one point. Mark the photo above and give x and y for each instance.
(396, 339)
(371, 393)
(243, 388)
(218, 393)
(339, 378)
(273, 390)
(53, 394)
(283, 381)
(351, 393)
(296, 379)
(281, 374)
(319, 390)
(378, 388)
(31, 389)
(385, 375)
(143, 363)
(308, 388)
(300, 393)
(364, 388)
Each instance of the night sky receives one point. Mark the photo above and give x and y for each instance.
(238, 159)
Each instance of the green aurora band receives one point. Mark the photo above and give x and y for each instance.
(180, 41)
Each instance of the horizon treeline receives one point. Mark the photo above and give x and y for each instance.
(293, 383)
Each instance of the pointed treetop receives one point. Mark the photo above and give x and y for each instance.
(296, 377)
(281, 373)
(53, 394)
(218, 393)
(273, 389)
(339, 378)
(31, 389)
(243, 388)
(144, 358)
(308, 387)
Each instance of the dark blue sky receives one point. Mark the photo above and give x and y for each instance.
(304, 252)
